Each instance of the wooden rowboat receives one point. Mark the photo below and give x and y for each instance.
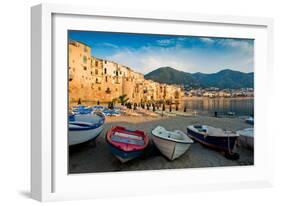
(83, 128)
(212, 137)
(126, 144)
(172, 144)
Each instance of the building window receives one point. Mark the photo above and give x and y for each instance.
(85, 68)
(96, 71)
(97, 81)
(108, 91)
(97, 63)
(116, 90)
(105, 62)
(84, 59)
(105, 79)
(105, 71)
(99, 88)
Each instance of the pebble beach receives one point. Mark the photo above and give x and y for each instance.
(94, 156)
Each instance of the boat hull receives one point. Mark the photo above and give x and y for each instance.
(246, 138)
(246, 141)
(170, 149)
(80, 136)
(225, 144)
(122, 155)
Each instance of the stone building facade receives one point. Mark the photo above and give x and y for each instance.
(94, 79)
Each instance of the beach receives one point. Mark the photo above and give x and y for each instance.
(94, 156)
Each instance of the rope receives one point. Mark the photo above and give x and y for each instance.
(230, 152)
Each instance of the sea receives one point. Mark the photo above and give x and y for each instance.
(223, 106)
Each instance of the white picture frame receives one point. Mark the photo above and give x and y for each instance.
(49, 179)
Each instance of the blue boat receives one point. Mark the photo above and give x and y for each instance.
(111, 112)
(82, 128)
(212, 137)
(98, 108)
(81, 109)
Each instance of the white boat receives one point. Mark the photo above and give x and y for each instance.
(246, 137)
(82, 128)
(172, 144)
(250, 120)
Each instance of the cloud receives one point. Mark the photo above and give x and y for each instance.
(165, 42)
(242, 45)
(174, 52)
(207, 40)
(106, 44)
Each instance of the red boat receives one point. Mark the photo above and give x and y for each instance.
(126, 144)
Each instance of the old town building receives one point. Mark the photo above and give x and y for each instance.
(94, 79)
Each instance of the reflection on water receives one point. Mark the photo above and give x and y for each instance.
(240, 106)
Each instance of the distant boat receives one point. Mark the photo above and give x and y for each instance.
(231, 113)
(98, 107)
(82, 128)
(212, 137)
(126, 144)
(250, 120)
(246, 137)
(172, 144)
(81, 109)
(111, 112)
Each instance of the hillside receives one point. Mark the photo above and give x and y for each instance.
(223, 79)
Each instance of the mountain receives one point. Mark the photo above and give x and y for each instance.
(223, 79)
(170, 76)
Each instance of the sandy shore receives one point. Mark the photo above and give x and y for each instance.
(96, 157)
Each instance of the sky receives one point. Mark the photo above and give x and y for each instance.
(147, 52)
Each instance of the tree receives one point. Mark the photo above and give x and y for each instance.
(123, 99)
